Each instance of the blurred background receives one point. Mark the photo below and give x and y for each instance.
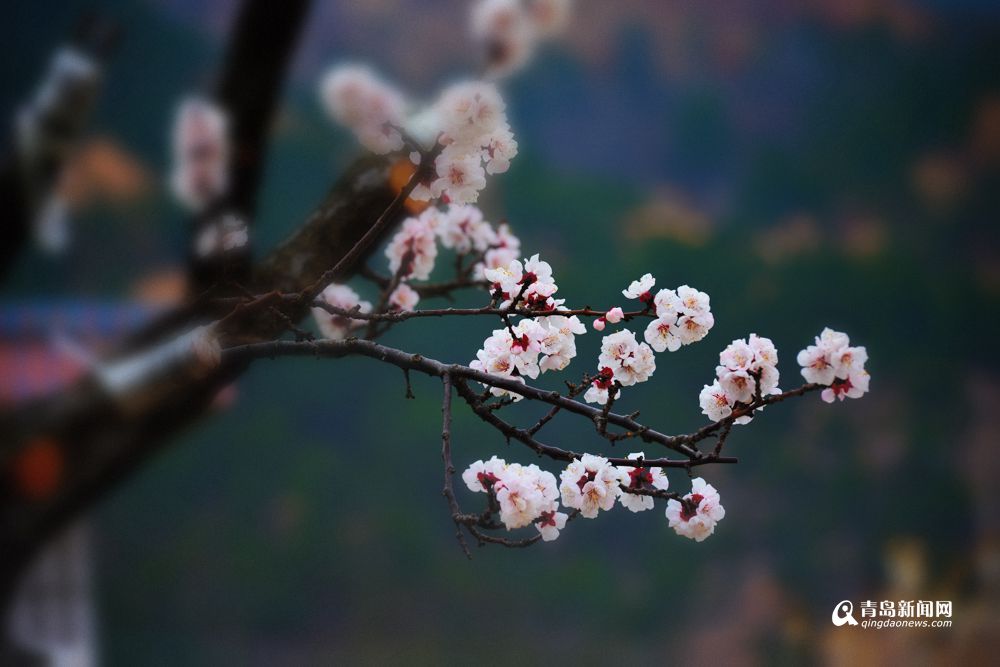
(831, 162)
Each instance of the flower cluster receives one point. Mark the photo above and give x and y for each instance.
(412, 254)
(748, 369)
(510, 30)
(638, 478)
(413, 249)
(371, 108)
(468, 123)
(525, 494)
(683, 316)
(624, 361)
(201, 154)
(530, 284)
(833, 362)
(695, 517)
(338, 327)
(590, 485)
(514, 352)
(463, 229)
(477, 140)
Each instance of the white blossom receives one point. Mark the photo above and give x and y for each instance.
(747, 368)
(499, 150)
(833, 362)
(460, 175)
(415, 244)
(714, 402)
(507, 33)
(200, 154)
(589, 484)
(639, 289)
(510, 30)
(692, 301)
(525, 493)
(470, 112)
(519, 497)
(697, 518)
(361, 101)
(481, 475)
(855, 385)
(404, 297)
(630, 361)
(683, 316)
(667, 304)
(336, 326)
(549, 523)
(661, 334)
(639, 478)
(507, 278)
(463, 229)
(558, 344)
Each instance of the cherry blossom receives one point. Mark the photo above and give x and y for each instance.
(631, 362)
(510, 30)
(500, 149)
(662, 334)
(467, 123)
(519, 496)
(481, 475)
(371, 108)
(600, 387)
(697, 517)
(549, 524)
(589, 484)
(532, 281)
(714, 402)
(463, 229)
(404, 297)
(506, 278)
(341, 296)
(558, 343)
(683, 316)
(470, 112)
(415, 245)
(638, 477)
(833, 362)
(460, 175)
(747, 369)
(639, 289)
(524, 493)
(201, 154)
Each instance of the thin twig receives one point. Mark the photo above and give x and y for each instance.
(449, 469)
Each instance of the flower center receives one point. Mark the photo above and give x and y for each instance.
(690, 508)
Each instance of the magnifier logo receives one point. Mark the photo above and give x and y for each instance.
(843, 613)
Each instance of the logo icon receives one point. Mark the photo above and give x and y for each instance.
(843, 613)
